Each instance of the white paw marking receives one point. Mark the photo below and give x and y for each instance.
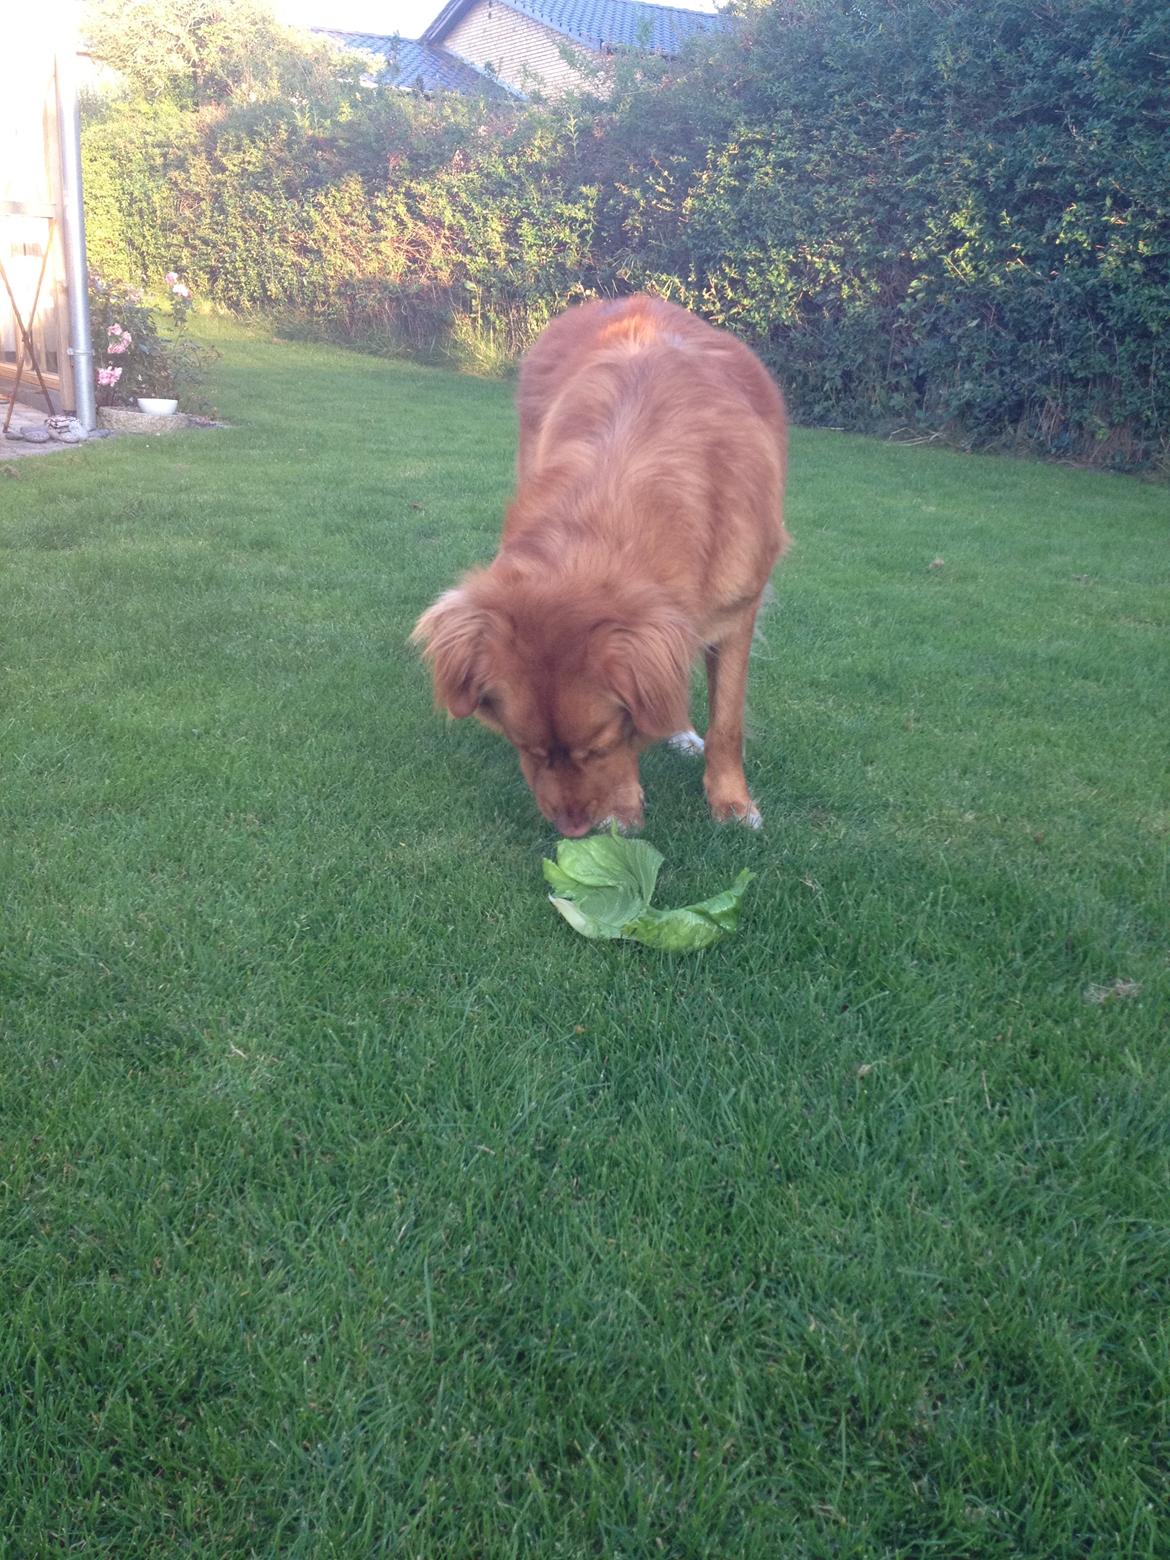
(686, 742)
(750, 819)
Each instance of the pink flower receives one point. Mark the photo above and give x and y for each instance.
(114, 330)
(118, 346)
(171, 277)
(109, 376)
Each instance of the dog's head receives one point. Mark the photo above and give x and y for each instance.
(579, 680)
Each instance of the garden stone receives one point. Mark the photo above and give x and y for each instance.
(36, 436)
(67, 430)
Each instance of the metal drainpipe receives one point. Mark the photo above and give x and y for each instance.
(73, 228)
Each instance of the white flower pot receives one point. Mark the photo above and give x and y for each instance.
(157, 406)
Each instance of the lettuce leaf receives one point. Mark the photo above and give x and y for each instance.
(602, 886)
(694, 926)
(587, 925)
(608, 861)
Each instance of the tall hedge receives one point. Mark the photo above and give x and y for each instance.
(924, 213)
(960, 214)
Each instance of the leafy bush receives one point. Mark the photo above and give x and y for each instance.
(952, 216)
(132, 357)
(924, 214)
(194, 52)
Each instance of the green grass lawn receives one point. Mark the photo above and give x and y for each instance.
(350, 1205)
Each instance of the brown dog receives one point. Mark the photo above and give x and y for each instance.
(646, 522)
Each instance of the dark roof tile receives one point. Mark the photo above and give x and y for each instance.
(600, 24)
(407, 63)
(620, 23)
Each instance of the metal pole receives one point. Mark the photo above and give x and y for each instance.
(73, 229)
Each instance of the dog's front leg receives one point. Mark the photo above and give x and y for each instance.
(727, 670)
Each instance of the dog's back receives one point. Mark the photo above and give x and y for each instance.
(611, 335)
(662, 441)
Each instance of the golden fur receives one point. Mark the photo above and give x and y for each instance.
(647, 519)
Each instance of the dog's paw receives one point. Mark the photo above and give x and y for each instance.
(746, 813)
(688, 741)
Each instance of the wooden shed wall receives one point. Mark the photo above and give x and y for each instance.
(30, 219)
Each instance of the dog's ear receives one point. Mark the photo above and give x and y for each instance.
(646, 660)
(453, 636)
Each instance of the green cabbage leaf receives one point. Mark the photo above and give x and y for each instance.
(603, 884)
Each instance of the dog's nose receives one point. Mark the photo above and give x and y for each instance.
(573, 823)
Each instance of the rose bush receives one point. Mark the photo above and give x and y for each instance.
(132, 355)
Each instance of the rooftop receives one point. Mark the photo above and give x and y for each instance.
(406, 63)
(600, 24)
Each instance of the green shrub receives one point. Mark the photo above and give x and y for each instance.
(924, 214)
(131, 354)
(951, 216)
